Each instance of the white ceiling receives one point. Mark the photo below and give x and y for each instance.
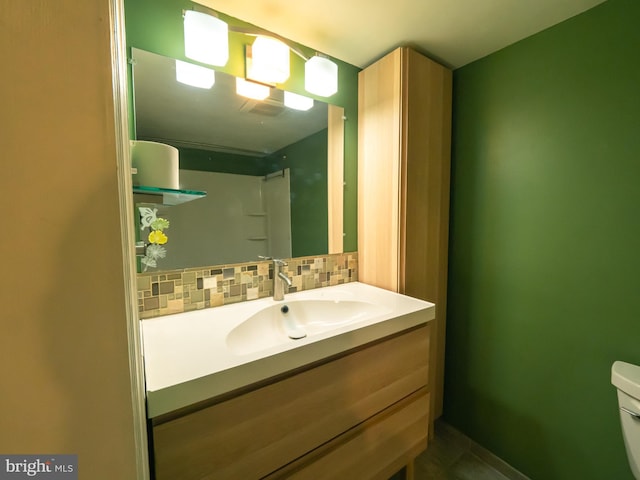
(454, 32)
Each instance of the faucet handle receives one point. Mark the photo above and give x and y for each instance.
(263, 257)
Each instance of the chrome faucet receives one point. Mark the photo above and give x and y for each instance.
(279, 279)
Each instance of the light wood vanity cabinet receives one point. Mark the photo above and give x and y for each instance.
(404, 143)
(363, 414)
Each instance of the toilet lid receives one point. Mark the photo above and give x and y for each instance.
(626, 377)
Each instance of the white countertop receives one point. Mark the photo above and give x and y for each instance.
(187, 359)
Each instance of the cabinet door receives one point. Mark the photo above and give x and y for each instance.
(379, 110)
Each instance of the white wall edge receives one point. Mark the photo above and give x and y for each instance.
(136, 365)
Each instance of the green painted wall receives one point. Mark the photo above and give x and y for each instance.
(544, 289)
(207, 161)
(156, 26)
(307, 162)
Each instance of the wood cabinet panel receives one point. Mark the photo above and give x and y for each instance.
(403, 190)
(335, 178)
(256, 433)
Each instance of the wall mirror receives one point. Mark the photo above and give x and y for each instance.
(263, 166)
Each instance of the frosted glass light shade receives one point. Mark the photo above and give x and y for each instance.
(251, 90)
(268, 61)
(297, 102)
(206, 38)
(195, 75)
(320, 76)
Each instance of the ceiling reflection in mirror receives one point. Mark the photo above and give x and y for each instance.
(215, 119)
(263, 166)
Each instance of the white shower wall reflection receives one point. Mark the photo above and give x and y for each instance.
(241, 218)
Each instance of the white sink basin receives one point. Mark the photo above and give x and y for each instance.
(193, 356)
(293, 320)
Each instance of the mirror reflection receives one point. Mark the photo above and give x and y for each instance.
(263, 166)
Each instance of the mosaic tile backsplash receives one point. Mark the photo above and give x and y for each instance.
(189, 289)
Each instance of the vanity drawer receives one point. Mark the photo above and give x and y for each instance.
(258, 432)
(376, 449)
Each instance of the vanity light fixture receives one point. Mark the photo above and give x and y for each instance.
(321, 76)
(297, 102)
(206, 38)
(195, 75)
(251, 89)
(267, 61)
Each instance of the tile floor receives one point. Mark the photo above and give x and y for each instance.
(453, 456)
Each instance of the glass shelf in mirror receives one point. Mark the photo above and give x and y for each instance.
(169, 196)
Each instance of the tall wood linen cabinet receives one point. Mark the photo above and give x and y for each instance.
(404, 144)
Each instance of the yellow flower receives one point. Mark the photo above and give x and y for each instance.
(157, 237)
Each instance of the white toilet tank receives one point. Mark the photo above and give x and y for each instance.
(626, 378)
